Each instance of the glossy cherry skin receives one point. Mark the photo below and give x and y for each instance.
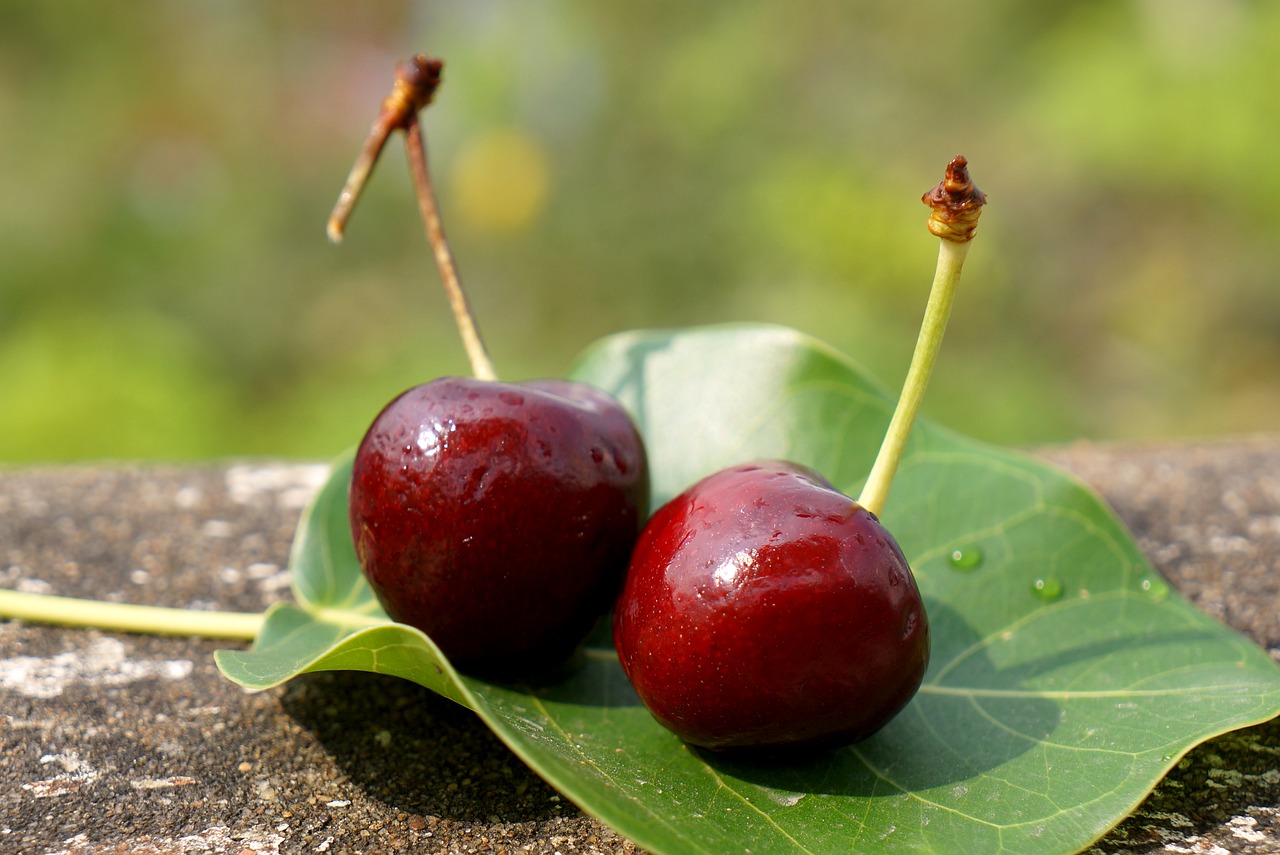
(765, 610)
(498, 518)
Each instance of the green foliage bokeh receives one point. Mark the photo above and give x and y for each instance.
(166, 290)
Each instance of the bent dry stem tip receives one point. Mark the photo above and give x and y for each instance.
(415, 87)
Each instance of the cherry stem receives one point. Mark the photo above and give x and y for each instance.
(956, 205)
(415, 144)
(415, 86)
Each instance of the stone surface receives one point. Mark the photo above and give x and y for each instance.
(1208, 518)
(115, 743)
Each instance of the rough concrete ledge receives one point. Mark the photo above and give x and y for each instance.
(113, 743)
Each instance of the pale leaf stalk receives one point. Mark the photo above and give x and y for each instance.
(128, 617)
(956, 204)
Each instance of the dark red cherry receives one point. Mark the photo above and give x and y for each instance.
(498, 518)
(765, 609)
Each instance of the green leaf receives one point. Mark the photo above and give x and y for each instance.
(1066, 677)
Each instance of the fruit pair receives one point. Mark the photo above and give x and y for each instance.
(762, 608)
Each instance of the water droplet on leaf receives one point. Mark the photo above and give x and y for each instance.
(965, 559)
(1155, 587)
(1047, 588)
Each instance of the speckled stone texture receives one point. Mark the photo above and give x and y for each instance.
(113, 743)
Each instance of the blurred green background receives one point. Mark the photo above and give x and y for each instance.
(166, 168)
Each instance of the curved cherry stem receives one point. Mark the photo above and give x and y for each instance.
(415, 87)
(956, 205)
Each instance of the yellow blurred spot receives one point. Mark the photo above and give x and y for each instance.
(500, 181)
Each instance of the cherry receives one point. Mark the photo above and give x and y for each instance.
(764, 608)
(496, 517)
